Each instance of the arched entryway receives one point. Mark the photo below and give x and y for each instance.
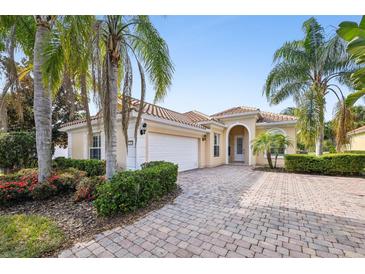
(238, 141)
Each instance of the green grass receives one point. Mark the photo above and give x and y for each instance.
(24, 236)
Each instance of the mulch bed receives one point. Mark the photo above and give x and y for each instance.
(79, 221)
(268, 169)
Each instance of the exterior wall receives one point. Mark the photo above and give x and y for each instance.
(249, 122)
(357, 141)
(239, 130)
(289, 130)
(212, 161)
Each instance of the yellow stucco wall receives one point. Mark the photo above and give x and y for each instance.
(206, 148)
(212, 161)
(289, 131)
(357, 141)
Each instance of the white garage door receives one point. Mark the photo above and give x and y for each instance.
(179, 150)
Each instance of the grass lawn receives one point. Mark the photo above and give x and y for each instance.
(28, 236)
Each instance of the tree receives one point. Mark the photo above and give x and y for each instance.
(308, 70)
(123, 37)
(270, 143)
(68, 57)
(16, 32)
(354, 34)
(42, 99)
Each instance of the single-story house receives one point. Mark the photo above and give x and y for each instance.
(357, 139)
(191, 139)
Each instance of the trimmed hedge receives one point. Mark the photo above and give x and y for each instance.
(17, 150)
(331, 164)
(355, 151)
(92, 167)
(130, 190)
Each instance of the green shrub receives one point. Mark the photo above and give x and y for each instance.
(130, 190)
(92, 167)
(17, 150)
(86, 188)
(332, 164)
(355, 151)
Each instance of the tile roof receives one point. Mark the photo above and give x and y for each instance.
(357, 130)
(235, 110)
(164, 113)
(268, 117)
(194, 118)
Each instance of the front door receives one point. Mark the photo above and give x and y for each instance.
(238, 148)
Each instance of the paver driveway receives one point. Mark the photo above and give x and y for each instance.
(232, 211)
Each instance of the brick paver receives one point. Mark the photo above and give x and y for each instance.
(232, 211)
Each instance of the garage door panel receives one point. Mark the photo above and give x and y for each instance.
(177, 149)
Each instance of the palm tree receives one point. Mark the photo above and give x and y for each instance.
(125, 37)
(281, 142)
(68, 59)
(308, 70)
(354, 34)
(343, 122)
(268, 143)
(42, 99)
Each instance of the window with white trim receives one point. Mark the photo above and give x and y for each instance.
(95, 148)
(217, 138)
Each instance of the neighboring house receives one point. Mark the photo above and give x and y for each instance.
(357, 139)
(191, 139)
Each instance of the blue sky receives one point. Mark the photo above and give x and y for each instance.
(223, 61)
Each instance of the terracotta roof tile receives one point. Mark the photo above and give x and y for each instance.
(268, 117)
(235, 110)
(195, 118)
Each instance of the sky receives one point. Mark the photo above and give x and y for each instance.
(223, 61)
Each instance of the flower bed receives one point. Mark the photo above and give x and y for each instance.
(25, 185)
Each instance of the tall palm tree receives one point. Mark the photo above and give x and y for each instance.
(125, 37)
(308, 70)
(42, 99)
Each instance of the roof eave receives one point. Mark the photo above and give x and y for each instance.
(265, 124)
(252, 113)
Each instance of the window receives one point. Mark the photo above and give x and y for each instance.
(216, 144)
(278, 150)
(95, 148)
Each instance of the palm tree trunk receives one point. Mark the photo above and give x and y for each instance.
(110, 120)
(42, 108)
(70, 93)
(3, 116)
(269, 160)
(85, 103)
(320, 132)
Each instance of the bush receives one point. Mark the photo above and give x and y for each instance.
(92, 167)
(130, 190)
(86, 189)
(18, 187)
(17, 150)
(355, 151)
(331, 164)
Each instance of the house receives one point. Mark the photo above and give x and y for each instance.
(357, 139)
(191, 139)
